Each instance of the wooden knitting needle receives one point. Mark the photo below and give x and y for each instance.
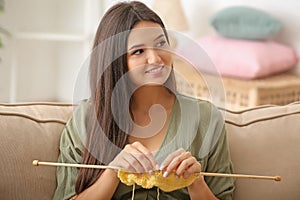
(275, 178)
(55, 164)
(38, 163)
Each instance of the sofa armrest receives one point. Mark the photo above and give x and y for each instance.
(28, 132)
(265, 141)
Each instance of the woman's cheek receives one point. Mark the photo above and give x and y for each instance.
(136, 76)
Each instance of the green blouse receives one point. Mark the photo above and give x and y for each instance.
(195, 125)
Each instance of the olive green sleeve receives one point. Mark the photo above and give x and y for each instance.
(71, 151)
(219, 161)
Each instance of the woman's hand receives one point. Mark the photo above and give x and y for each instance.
(135, 158)
(182, 162)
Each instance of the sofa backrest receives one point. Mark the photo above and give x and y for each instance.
(263, 141)
(28, 132)
(266, 141)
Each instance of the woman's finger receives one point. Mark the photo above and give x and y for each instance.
(188, 166)
(124, 160)
(145, 157)
(170, 158)
(135, 158)
(176, 162)
(130, 161)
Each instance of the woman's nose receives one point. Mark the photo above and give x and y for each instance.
(153, 56)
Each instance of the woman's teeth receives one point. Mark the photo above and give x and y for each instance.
(155, 70)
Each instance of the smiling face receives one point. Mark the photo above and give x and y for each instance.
(148, 59)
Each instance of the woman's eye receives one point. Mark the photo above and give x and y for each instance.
(137, 52)
(161, 43)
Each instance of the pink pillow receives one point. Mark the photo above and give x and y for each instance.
(248, 58)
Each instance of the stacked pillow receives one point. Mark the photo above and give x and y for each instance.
(244, 45)
(245, 23)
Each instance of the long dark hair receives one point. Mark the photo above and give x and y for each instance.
(108, 64)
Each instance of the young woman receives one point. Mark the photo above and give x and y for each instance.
(137, 121)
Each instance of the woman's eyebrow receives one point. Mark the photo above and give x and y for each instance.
(140, 45)
(161, 35)
(136, 46)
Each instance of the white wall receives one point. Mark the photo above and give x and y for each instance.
(50, 40)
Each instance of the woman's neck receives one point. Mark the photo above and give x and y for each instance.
(150, 127)
(146, 96)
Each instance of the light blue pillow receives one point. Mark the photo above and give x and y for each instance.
(245, 23)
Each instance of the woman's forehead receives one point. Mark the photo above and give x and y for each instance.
(144, 32)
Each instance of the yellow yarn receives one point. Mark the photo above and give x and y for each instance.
(148, 181)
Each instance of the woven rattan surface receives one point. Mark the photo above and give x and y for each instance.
(236, 93)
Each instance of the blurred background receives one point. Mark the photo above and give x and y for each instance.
(49, 40)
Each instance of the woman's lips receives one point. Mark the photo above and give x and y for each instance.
(155, 70)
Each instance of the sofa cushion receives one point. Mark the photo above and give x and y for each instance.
(265, 141)
(28, 132)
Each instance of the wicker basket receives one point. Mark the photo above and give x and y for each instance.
(235, 93)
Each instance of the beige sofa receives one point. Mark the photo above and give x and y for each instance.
(263, 140)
